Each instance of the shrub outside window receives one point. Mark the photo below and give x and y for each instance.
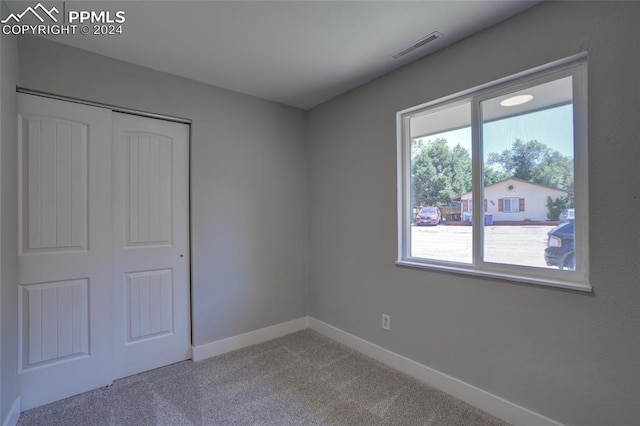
(501, 162)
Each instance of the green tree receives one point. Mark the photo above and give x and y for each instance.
(462, 168)
(555, 170)
(535, 162)
(416, 146)
(492, 176)
(555, 207)
(439, 173)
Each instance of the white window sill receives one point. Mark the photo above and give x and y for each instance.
(471, 270)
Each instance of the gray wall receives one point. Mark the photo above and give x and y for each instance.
(571, 356)
(248, 183)
(8, 220)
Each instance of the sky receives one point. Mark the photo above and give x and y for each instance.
(553, 127)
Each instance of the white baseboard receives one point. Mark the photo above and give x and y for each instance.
(229, 344)
(470, 394)
(13, 415)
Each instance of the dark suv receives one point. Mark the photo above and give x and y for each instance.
(561, 249)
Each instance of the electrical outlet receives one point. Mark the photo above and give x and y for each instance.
(386, 322)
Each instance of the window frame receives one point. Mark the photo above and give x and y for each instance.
(574, 66)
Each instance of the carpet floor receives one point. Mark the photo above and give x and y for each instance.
(303, 378)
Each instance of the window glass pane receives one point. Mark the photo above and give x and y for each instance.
(440, 185)
(528, 168)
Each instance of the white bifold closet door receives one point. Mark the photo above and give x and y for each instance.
(65, 249)
(150, 229)
(103, 238)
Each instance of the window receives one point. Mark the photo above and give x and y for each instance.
(503, 163)
(511, 205)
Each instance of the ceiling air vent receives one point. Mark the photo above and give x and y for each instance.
(423, 41)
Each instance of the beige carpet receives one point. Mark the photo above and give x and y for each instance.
(303, 378)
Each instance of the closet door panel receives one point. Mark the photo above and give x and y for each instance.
(65, 249)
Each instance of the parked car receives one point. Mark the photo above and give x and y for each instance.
(428, 216)
(567, 214)
(561, 249)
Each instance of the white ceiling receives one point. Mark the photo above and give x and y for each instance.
(299, 53)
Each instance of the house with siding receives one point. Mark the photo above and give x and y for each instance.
(514, 199)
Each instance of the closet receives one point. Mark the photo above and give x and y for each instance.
(103, 249)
